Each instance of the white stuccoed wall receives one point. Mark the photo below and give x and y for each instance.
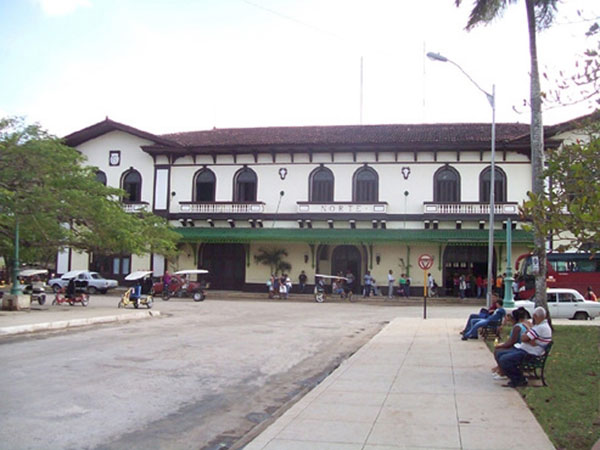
(97, 152)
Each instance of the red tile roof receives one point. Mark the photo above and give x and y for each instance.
(454, 134)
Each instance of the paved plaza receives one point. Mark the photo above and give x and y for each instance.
(414, 385)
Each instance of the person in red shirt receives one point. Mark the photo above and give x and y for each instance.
(590, 295)
(479, 284)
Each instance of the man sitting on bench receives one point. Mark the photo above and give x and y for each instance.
(483, 313)
(495, 318)
(533, 342)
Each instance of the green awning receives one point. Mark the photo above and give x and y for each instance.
(347, 236)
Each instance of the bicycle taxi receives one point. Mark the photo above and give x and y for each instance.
(141, 292)
(319, 290)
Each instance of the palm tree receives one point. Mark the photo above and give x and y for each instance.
(273, 257)
(540, 14)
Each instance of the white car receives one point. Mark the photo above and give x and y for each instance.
(565, 304)
(93, 280)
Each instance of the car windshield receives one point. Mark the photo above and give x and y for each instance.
(96, 276)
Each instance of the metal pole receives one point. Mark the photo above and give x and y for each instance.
(16, 286)
(492, 100)
(490, 274)
(361, 90)
(425, 293)
(509, 280)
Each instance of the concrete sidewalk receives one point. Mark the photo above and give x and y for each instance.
(414, 385)
(44, 318)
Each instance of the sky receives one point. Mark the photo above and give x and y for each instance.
(179, 65)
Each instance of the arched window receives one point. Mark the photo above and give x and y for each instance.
(499, 185)
(101, 177)
(244, 185)
(446, 185)
(321, 185)
(365, 185)
(204, 186)
(132, 185)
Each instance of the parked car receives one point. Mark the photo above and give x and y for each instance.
(93, 280)
(565, 304)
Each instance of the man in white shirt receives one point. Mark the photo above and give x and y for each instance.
(390, 284)
(430, 285)
(533, 342)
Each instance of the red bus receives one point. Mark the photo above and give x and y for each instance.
(565, 270)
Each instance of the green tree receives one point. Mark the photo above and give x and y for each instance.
(568, 209)
(57, 202)
(273, 257)
(540, 14)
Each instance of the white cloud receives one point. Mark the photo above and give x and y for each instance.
(61, 7)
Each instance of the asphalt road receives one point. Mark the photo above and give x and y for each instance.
(200, 377)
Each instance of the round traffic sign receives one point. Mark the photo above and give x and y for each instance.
(425, 261)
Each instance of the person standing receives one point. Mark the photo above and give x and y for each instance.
(288, 285)
(430, 285)
(166, 281)
(402, 284)
(349, 286)
(270, 285)
(479, 283)
(302, 281)
(276, 288)
(390, 284)
(591, 296)
(462, 286)
(368, 282)
(515, 288)
(455, 284)
(499, 284)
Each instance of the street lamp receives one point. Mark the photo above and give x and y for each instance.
(16, 286)
(492, 100)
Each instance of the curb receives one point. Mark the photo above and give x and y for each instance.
(61, 324)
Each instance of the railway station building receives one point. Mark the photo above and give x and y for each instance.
(368, 197)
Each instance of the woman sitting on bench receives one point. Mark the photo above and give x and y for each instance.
(518, 317)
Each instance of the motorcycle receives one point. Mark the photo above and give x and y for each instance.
(34, 286)
(141, 293)
(181, 286)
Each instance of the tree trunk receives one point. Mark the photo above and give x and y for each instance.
(537, 155)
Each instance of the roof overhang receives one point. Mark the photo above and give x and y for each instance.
(347, 236)
(107, 126)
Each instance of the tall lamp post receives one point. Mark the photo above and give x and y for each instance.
(16, 286)
(492, 100)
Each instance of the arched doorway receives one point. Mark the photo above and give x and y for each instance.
(346, 257)
(226, 263)
(467, 260)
